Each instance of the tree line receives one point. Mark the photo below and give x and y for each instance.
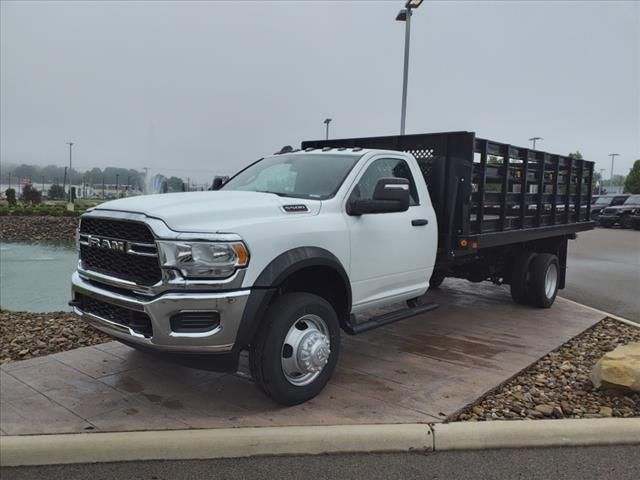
(53, 174)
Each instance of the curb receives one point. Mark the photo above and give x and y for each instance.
(213, 443)
(536, 433)
(606, 314)
(269, 441)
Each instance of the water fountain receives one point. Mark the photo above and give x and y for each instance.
(154, 183)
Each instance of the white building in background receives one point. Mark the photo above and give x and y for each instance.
(83, 191)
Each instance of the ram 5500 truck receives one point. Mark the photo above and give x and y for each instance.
(296, 247)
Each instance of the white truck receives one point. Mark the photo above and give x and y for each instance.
(294, 248)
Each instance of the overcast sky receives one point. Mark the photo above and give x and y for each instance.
(203, 88)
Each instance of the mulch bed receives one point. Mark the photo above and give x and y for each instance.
(24, 228)
(559, 385)
(26, 335)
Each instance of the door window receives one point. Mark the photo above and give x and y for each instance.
(384, 168)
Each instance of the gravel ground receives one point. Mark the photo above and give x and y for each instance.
(26, 335)
(37, 228)
(559, 385)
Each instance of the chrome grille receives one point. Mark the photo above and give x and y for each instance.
(119, 248)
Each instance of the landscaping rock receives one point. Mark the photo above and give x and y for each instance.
(26, 335)
(559, 386)
(18, 228)
(619, 368)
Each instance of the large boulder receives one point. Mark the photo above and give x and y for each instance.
(619, 368)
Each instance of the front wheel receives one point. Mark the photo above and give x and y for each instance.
(296, 349)
(625, 221)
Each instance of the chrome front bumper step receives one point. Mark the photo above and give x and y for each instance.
(229, 305)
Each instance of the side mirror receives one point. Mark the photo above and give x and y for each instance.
(218, 182)
(390, 195)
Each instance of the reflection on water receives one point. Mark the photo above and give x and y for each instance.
(36, 276)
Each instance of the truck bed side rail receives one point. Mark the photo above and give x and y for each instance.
(481, 189)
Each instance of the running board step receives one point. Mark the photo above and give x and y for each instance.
(381, 320)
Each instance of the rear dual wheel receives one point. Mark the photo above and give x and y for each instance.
(535, 279)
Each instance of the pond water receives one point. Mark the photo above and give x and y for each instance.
(36, 276)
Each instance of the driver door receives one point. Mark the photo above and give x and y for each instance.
(392, 254)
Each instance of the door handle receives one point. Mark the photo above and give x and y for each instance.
(419, 222)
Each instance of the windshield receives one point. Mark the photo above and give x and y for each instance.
(603, 201)
(316, 176)
(633, 200)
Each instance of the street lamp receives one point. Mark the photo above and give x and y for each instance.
(327, 121)
(534, 139)
(405, 16)
(613, 157)
(70, 183)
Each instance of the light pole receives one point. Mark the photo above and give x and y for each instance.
(534, 139)
(602, 170)
(70, 183)
(405, 16)
(327, 121)
(613, 157)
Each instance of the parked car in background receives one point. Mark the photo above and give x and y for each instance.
(621, 214)
(604, 201)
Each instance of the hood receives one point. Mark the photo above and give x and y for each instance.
(214, 211)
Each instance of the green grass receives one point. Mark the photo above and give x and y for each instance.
(40, 210)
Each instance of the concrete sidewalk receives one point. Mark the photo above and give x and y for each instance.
(416, 371)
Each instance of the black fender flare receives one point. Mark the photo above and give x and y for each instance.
(273, 275)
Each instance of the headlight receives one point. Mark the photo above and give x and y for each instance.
(204, 259)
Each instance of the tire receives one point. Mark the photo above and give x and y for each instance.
(520, 278)
(436, 280)
(625, 221)
(544, 276)
(277, 366)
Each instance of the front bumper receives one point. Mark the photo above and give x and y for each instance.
(609, 220)
(229, 305)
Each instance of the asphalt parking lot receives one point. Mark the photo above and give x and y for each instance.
(604, 271)
(585, 463)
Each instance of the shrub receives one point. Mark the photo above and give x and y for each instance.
(11, 197)
(56, 192)
(31, 195)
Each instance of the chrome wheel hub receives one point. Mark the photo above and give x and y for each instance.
(551, 280)
(306, 350)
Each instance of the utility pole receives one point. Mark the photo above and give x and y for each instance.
(534, 139)
(64, 182)
(103, 195)
(613, 157)
(327, 121)
(128, 183)
(70, 183)
(117, 184)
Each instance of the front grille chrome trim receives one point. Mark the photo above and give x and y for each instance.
(85, 238)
